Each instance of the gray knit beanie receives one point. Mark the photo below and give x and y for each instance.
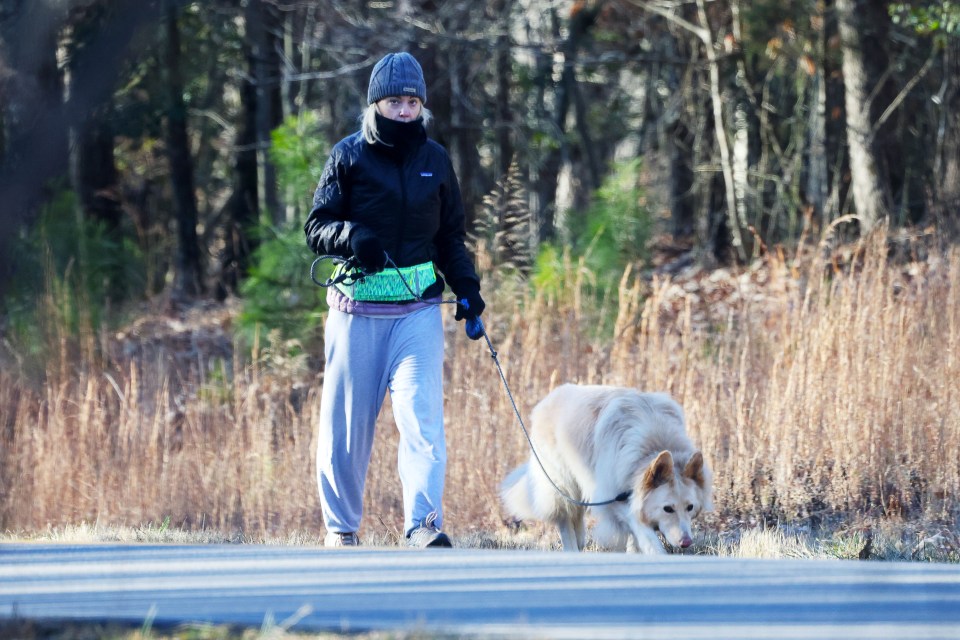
(397, 74)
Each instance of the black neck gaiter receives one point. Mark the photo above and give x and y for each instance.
(397, 138)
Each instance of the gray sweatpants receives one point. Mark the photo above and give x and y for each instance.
(365, 357)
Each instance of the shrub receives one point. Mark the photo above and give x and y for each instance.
(617, 225)
(278, 293)
(70, 269)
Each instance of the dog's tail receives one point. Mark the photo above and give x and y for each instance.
(517, 494)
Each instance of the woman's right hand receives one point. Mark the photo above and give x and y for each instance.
(369, 253)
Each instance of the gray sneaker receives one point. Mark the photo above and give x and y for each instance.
(428, 535)
(341, 539)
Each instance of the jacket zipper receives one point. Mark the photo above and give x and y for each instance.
(402, 218)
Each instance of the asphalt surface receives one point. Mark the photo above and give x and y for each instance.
(478, 593)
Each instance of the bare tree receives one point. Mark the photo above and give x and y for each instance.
(735, 214)
(582, 18)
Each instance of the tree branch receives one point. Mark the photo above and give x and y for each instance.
(897, 101)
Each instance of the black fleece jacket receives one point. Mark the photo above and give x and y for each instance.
(407, 195)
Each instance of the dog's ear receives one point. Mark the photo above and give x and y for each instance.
(659, 472)
(694, 470)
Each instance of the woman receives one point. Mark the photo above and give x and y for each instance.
(388, 192)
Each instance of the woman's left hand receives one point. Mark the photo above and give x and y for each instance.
(473, 308)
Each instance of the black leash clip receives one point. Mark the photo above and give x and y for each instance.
(347, 271)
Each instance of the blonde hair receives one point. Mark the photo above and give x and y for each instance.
(368, 121)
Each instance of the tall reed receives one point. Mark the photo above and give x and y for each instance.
(812, 391)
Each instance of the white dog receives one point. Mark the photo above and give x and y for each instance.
(599, 442)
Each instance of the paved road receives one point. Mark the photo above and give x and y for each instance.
(504, 594)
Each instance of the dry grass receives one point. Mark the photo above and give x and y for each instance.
(886, 540)
(269, 630)
(820, 396)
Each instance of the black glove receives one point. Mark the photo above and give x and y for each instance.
(469, 290)
(369, 253)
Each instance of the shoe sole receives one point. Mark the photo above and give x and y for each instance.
(441, 541)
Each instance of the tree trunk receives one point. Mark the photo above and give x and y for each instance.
(735, 215)
(542, 205)
(869, 194)
(262, 33)
(681, 180)
(947, 161)
(817, 184)
(581, 20)
(93, 172)
(678, 139)
(188, 273)
(736, 222)
(34, 147)
(242, 207)
(504, 110)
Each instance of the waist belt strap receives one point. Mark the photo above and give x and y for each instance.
(390, 285)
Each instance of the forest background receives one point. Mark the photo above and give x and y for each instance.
(751, 205)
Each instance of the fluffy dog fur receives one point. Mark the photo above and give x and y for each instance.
(599, 441)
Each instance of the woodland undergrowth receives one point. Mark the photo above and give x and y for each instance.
(822, 393)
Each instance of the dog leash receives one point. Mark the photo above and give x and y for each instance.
(475, 329)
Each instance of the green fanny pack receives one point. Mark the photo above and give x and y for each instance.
(401, 284)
